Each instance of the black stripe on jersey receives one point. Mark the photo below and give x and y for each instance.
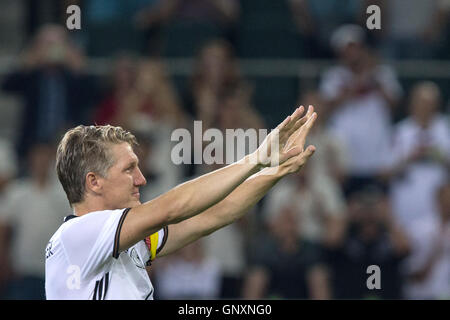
(166, 234)
(115, 253)
(95, 290)
(100, 289)
(148, 296)
(106, 284)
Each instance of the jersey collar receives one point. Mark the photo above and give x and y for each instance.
(70, 217)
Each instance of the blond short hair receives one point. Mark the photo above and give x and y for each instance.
(85, 149)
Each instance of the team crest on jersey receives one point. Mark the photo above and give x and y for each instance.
(135, 257)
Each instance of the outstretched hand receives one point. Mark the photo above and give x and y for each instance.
(287, 140)
(298, 139)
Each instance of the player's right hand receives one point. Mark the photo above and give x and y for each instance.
(298, 139)
(279, 145)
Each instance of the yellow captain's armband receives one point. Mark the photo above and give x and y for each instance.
(152, 244)
(153, 240)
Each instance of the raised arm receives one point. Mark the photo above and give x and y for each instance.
(195, 196)
(243, 198)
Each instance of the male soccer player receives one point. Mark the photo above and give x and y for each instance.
(100, 252)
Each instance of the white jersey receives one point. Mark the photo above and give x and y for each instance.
(83, 262)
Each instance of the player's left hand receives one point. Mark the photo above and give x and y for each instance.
(297, 140)
(280, 145)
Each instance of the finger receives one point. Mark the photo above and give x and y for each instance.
(293, 119)
(309, 123)
(309, 151)
(298, 113)
(307, 154)
(300, 122)
(285, 128)
(300, 136)
(290, 125)
(296, 120)
(310, 110)
(283, 124)
(293, 152)
(306, 127)
(280, 131)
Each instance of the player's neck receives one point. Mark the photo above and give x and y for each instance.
(86, 207)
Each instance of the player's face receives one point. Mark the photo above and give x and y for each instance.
(124, 178)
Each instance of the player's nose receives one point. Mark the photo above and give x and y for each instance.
(140, 179)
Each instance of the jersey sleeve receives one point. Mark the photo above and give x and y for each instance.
(156, 242)
(91, 241)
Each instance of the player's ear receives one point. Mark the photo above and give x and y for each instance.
(93, 182)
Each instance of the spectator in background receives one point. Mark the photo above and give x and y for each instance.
(147, 103)
(140, 90)
(120, 83)
(284, 265)
(235, 109)
(420, 157)
(330, 159)
(316, 194)
(318, 203)
(50, 80)
(316, 21)
(8, 166)
(373, 238)
(31, 226)
(428, 267)
(152, 20)
(217, 14)
(8, 171)
(157, 181)
(413, 29)
(152, 107)
(228, 245)
(360, 93)
(215, 70)
(152, 100)
(189, 274)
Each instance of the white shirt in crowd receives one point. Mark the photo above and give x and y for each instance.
(330, 154)
(32, 224)
(83, 261)
(423, 238)
(322, 198)
(227, 246)
(363, 123)
(181, 278)
(413, 193)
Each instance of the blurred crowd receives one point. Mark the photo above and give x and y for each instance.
(376, 192)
